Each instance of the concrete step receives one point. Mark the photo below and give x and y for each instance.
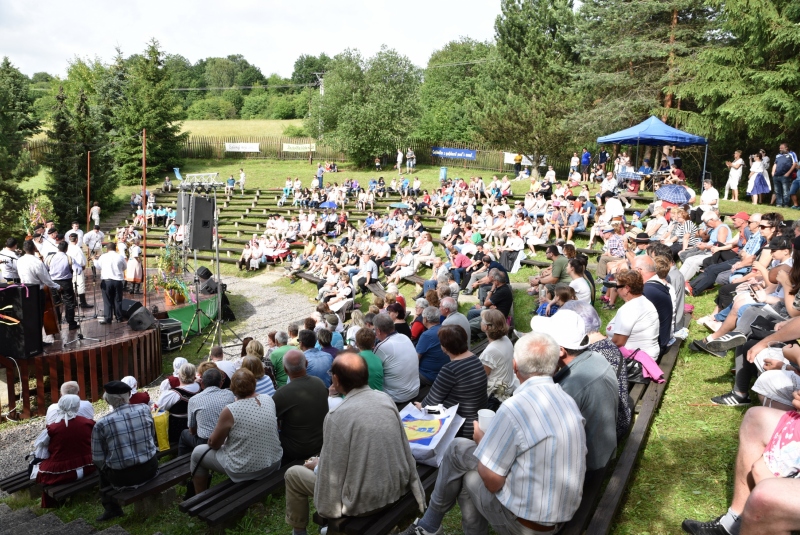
(113, 530)
(77, 527)
(12, 519)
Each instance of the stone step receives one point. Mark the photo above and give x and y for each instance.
(44, 524)
(76, 527)
(113, 530)
(13, 519)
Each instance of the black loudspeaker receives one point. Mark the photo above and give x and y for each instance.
(182, 208)
(204, 273)
(21, 321)
(209, 287)
(129, 306)
(142, 319)
(201, 231)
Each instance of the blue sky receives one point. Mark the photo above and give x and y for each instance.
(44, 35)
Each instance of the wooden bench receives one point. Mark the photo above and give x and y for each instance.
(384, 521)
(225, 502)
(148, 497)
(308, 277)
(19, 481)
(376, 289)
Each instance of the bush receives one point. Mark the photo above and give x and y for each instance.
(295, 131)
(211, 108)
(282, 107)
(256, 106)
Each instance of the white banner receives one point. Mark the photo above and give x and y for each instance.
(299, 147)
(242, 147)
(508, 158)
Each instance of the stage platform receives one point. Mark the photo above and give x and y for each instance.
(120, 351)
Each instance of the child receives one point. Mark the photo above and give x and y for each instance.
(555, 300)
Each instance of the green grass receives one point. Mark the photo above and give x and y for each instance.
(233, 128)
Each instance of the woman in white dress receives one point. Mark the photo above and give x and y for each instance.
(756, 182)
(133, 271)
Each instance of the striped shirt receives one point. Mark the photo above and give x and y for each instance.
(265, 386)
(464, 382)
(205, 408)
(682, 229)
(537, 441)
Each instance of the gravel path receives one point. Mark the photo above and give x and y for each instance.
(267, 307)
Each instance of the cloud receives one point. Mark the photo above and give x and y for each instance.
(45, 35)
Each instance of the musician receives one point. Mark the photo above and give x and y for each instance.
(76, 229)
(33, 271)
(49, 245)
(93, 240)
(75, 252)
(112, 272)
(8, 261)
(61, 267)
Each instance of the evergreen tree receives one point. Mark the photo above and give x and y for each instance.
(17, 124)
(89, 136)
(628, 54)
(147, 103)
(522, 98)
(746, 86)
(63, 185)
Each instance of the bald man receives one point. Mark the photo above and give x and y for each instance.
(301, 407)
(657, 292)
(365, 463)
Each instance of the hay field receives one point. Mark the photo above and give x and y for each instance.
(239, 127)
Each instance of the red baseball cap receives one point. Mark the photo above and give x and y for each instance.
(742, 215)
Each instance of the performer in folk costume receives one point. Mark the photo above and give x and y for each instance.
(133, 272)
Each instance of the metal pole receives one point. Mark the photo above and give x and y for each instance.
(219, 275)
(88, 187)
(144, 228)
(705, 158)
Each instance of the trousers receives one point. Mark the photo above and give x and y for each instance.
(112, 299)
(68, 297)
(706, 279)
(128, 477)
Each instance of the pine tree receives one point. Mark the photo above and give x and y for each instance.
(522, 98)
(147, 103)
(17, 124)
(63, 185)
(629, 53)
(746, 86)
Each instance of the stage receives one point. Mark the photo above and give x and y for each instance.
(120, 351)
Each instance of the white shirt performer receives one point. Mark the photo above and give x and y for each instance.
(112, 272)
(33, 271)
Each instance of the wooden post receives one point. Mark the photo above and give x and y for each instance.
(144, 227)
(88, 189)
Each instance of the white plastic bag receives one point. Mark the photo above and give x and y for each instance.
(430, 433)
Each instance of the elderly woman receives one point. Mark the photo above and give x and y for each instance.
(417, 327)
(136, 397)
(601, 344)
(356, 323)
(498, 357)
(264, 384)
(636, 324)
(70, 448)
(176, 401)
(461, 381)
(173, 380)
(398, 314)
(682, 232)
(244, 444)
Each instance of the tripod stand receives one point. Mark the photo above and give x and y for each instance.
(79, 318)
(198, 312)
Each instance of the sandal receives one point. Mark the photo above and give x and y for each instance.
(604, 299)
(608, 306)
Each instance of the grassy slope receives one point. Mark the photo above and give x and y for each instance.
(253, 127)
(684, 470)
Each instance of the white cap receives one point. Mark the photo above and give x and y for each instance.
(565, 326)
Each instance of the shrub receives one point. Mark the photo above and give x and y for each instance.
(295, 131)
(211, 108)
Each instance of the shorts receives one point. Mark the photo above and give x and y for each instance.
(781, 454)
(585, 168)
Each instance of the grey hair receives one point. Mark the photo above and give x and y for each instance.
(536, 354)
(645, 263)
(212, 377)
(707, 181)
(117, 400)
(383, 323)
(449, 304)
(188, 373)
(431, 314)
(496, 275)
(281, 338)
(70, 387)
(442, 279)
(422, 302)
(296, 367)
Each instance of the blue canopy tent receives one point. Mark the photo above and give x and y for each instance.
(654, 132)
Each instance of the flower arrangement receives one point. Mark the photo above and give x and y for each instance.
(39, 211)
(168, 277)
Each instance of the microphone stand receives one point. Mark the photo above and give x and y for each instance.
(79, 338)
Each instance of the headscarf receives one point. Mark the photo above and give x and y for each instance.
(176, 365)
(131, 382)
(67, 408)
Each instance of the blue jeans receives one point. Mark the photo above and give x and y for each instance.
(782, 185)
(795, 187)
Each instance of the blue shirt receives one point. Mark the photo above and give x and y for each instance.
(602, 157)
(319, 364)
(432, 357)
(575, 217)
(645, 169)
(369, 220)
(231, 181)
(320, 171)
(337, 341)
(586, 158)
(589, 207)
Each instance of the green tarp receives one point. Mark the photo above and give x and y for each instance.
(184, 315)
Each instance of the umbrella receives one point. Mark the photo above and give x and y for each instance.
(673, 193)
(398, 205)
(328, 204)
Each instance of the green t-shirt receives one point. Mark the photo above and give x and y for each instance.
(476, 238)
(560, 269)
(276, 357)
(375, 367)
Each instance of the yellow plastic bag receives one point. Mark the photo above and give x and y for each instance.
(161, 419)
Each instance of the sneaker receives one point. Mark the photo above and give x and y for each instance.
(731, 399)
(727, 341)
(414, 529)
(702, 345)
(695, 527)
(688, 289)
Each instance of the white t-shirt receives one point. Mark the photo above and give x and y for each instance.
(708, 196)
(638, 320)
(583, 292)
(757, 166)
(499, 356)
(736, 174)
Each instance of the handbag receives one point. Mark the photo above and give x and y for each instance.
(161, 421)
(634, 370)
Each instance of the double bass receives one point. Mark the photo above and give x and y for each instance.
(49, 317)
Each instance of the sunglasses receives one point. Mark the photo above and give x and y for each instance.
(765, 226)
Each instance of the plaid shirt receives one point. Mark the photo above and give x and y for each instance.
(753, 245)
(205, 408)
(124, 438)
(615, 246)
